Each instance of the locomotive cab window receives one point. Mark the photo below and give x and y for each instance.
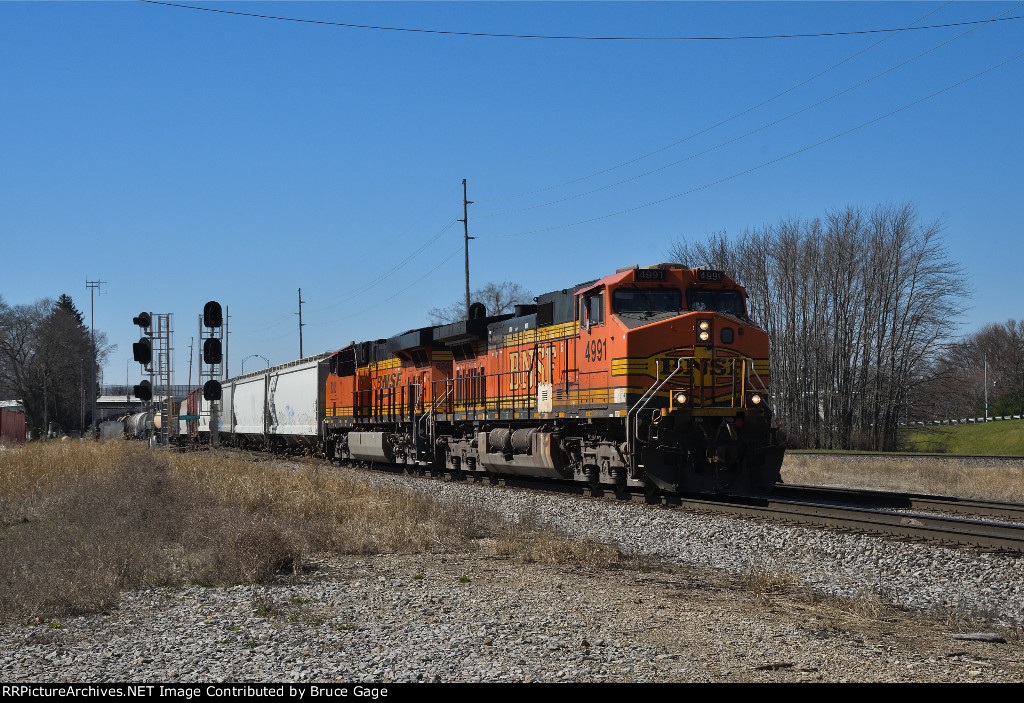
(344, 363)
(647, 300)
(593, 309)
(727, 301)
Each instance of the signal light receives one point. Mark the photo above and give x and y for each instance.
(143, 391)
(212, 351)
(143, 320)
(211, 390)
(142, 351)
(212, 316)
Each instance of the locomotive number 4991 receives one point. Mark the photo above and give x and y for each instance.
(596, 350)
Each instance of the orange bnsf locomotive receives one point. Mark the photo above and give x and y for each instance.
(652, 377)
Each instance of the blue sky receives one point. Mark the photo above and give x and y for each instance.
(183, 156)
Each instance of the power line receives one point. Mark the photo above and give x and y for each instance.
(375, 305)
(759, 166)
(711, 127)
(747, 134)
(345, 297)
(348, 295)
(350, 25)
(397, 293)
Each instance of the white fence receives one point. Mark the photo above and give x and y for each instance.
(961, 421)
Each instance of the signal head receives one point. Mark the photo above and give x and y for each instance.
(212, 315)
(142, 351)
(212, 351)
(212, 390)
(143, 391)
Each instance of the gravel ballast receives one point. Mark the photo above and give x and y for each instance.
(691, 614)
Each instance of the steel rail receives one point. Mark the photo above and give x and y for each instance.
(935, 528)
(950, 530)
(911, 456)
(908, 501)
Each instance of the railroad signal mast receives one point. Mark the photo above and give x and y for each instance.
(211, 370)
(154, 351)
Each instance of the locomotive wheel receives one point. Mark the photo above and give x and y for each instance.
(651, 490)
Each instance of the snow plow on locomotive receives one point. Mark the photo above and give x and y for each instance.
(652, 377)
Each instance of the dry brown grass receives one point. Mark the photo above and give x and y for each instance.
(333, 511)
(965, 479)
(535, 546)
(80, 521)
(764, 582)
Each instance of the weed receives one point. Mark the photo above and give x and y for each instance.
(766, 581)
(531, 545)
(463, 579)
(266, 607)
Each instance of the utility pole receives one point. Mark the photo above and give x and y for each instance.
(81, 389)
(465, 228)
(985, 380)
(191, 342)
(93, 286)
(300, 322)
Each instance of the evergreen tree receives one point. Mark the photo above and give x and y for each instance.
(46, 361)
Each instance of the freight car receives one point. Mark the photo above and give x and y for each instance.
(274, 409)
(652, 377)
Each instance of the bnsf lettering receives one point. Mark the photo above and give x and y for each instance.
(529, 367)
(520, 366)
(720, 367)
(546, 364)
(387, 380)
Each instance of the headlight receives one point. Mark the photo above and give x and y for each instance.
(704, 336)
(755, 399)
(704, 325)
(681, 399)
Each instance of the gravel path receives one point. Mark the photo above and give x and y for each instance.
(470, 617)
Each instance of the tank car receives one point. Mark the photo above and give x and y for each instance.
(651, 377)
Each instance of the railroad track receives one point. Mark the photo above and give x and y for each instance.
(947, 529)
(876, 512)
(866, 511)
(1011, 512)
(912, 456)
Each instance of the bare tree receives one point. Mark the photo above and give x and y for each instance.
(956, 386)
(860, 307)
(46, 355)
(498, 298)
